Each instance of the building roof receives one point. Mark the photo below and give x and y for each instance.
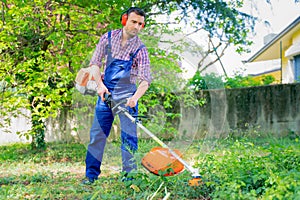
(271, 50)
(265, 72)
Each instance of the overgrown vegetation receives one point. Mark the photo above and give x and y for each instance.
(231, 168)
(214, 81)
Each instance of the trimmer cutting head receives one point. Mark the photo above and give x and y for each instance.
(196, 181)
(160, 161)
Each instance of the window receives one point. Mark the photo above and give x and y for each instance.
(297, 68)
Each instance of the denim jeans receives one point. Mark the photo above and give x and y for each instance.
(99, 132)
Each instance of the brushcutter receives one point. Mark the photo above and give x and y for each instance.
(160, 160)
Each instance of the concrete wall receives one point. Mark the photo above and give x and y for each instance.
(268, 109)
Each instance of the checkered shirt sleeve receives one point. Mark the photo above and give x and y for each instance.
(141, 64)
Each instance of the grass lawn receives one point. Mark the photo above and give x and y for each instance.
(264, 168)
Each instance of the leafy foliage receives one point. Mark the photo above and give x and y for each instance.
(268, 79)
(209, 81)
(212, 81)
(221, 19)
(42, 44)
(241, 81)
(247, 170)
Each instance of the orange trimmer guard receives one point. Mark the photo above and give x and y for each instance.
(160, 161)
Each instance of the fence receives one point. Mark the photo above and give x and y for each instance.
(269, 109)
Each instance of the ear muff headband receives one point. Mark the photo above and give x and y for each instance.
(124, 20)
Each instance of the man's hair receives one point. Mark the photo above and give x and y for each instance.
(136, 10)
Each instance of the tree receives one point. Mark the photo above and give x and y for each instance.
(43, 44)
(223, 21)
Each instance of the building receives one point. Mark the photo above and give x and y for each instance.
(280, 55)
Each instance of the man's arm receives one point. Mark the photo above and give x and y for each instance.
(101, 88)
(142, 88)
(143, 75)
(96, 62)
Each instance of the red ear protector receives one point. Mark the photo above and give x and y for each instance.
(124, 20)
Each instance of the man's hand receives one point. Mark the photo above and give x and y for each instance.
(131, 102)
(101, 90)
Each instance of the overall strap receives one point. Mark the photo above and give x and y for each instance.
(136, 52)
(109, 43)
(108, 49)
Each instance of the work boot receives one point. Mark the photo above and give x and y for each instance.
(88, 181)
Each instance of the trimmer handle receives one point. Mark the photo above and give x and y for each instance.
(108, 99)
(112, 104)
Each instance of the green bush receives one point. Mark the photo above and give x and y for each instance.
(213, 81)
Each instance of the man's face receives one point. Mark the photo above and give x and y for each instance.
(134, 24)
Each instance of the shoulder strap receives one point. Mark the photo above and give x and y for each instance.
(109, 43)
(136, 52)
(108, 50)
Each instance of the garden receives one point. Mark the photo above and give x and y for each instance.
(43, 45)
(231, 168)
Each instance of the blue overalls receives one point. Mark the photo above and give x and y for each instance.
(117, 81)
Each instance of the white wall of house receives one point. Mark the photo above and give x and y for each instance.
(255, 68)
(289, 75)
(19, 124)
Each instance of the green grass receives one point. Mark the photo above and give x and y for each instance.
(264, 168)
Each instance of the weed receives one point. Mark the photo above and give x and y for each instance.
(235, 168)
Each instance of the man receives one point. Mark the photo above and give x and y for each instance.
(126, 75)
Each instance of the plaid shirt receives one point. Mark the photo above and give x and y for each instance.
(141, 64)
